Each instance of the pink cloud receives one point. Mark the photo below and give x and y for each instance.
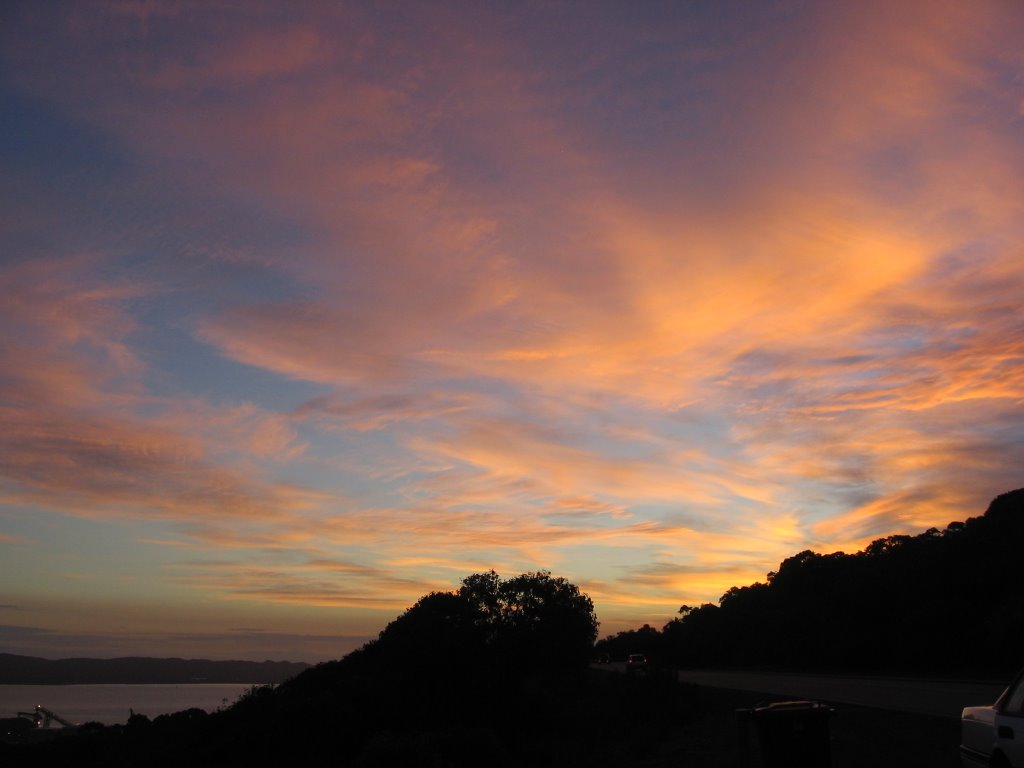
(320, 584)
(507, 303)
(266, 54)
(73, 383)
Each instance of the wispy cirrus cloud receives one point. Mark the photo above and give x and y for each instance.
(82, 434)
(324, 583)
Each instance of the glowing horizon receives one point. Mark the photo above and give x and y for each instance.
(311, 311)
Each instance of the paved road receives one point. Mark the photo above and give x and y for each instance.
(945, 698)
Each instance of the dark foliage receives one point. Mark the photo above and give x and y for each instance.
(646, 640)
(941, 602)
(524, 625)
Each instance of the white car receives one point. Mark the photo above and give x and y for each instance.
(993, 736)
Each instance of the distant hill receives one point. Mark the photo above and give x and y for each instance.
(29, 670)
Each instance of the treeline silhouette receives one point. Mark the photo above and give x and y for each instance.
(494, 673)
(944, 602)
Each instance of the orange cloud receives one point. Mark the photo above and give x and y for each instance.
(319, 584)
(72, 380)
(662, 332)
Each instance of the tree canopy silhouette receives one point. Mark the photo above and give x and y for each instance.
(532, 621)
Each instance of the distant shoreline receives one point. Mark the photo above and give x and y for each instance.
(192, 682)
(30, 670)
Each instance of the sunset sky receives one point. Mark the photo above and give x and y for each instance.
(309, 309)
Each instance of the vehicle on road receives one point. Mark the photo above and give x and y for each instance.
(993, 736)
(636, 662)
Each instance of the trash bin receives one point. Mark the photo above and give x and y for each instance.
(786, 734)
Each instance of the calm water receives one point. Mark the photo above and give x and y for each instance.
(110, 704)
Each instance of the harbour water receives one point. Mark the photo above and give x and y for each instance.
(112, 704)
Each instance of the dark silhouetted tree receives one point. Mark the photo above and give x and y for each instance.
(646, 640)
(533, 621)
(541, 622)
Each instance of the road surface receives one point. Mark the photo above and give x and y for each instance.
(945, 698)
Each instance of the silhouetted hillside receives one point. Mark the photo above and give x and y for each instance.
(942, 602)
(492, 674)
(29, 670)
